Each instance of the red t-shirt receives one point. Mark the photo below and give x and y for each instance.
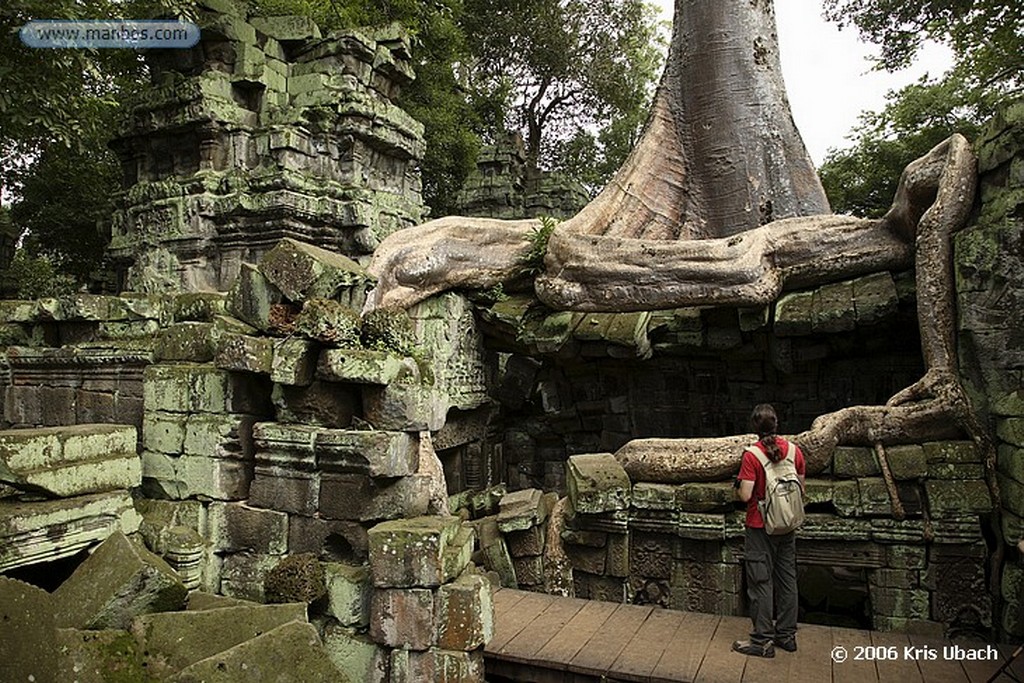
(751, 470)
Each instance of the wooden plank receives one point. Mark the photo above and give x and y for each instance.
(524, 646)
(686, 649)
(981, 671)
(642, 652)
(937, 670)
(604, 647)
(897, 667)
(813, 656)
(508, 623)
(560, 650)
(1017, 667)
(720, 663)
(505, 598)
(852, 670)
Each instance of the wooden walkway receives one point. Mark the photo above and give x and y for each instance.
(547, 639)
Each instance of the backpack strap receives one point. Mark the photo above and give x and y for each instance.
(791, 451)
(759, 453)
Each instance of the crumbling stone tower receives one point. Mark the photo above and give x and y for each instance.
(264, 130)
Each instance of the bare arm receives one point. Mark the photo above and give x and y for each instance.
(745, 491)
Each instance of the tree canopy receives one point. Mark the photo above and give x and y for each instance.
(987, 41)
(573, 77)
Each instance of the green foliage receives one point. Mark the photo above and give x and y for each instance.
(36, 277)
(862, 179)
(539, 238)
(552, 69)
(987, 40)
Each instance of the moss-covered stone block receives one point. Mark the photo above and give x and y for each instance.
(833, 308)
(198, 306)
(951, 452)
(176, 640)
(947, 498)
(597, 483)
(897, 602)
(27, 615)
(905, 556)
(1008, 404)
(548, 334)
(252, 297)
(874, 496)
(348, 593)
(355, 653)
(794, 314)
(301, 271)
(647, 496)
(97, 655)
(704, 497)
(296, 578)
(1010, 462)
(118, 582)
(294, 362)
(329, 322)
(363, 366)
(411, 552)
(854, 462)
(236, 527)
(874, 298)
(245, 353)
(951, 470)
(907, 462)
(1011, 430)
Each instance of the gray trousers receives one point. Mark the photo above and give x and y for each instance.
(771, 584)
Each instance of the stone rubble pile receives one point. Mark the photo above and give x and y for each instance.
(63, 489)
(122, 616)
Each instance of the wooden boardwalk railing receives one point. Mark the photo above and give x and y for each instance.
(548, 639)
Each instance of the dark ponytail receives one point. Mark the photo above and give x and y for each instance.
(764, 422)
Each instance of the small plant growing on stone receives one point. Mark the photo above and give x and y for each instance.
(539, 237)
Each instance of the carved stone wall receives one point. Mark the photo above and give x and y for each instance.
(264, 130)
(990, 287)
(582, 383)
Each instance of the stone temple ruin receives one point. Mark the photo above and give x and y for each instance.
(263, 475)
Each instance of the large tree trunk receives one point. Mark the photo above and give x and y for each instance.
(720, 154)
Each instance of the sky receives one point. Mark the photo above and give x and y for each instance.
(828, 73)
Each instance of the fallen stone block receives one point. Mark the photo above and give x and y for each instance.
(597, 483)
(294, 362)
(301, 271)
(97, 656)
(45, 531)
(70, 461)
(356, 654)
(242, 575)
(348, 593)
(440, 666)
(329, 322)
(201, 600)
(188, 341)
(252, 298)
(377, 453)
(364, 366)
(465, 612)
(173, 641)
(520, 510)
(411, 552)
(495, 551)
(291, 653)
(26, 626)
(234, 527)
(118, 582)
(244, 353)
(403, 617)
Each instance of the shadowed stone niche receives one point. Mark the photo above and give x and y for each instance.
(263, 130)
